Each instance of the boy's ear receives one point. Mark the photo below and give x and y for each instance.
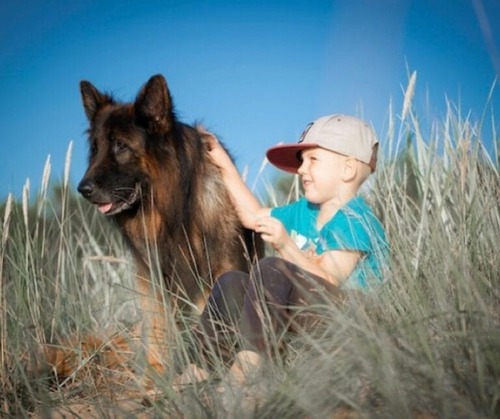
(350, 169)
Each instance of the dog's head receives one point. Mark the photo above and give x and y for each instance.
(120, 135)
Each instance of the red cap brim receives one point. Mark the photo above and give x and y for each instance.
(287, 156)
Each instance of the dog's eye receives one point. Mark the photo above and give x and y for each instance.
(93, 148)
(119, 146)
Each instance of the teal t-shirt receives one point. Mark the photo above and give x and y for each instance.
(353, 227)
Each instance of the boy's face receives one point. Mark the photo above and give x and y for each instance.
(321, 174)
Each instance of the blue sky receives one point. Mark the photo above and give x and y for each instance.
(255, 72)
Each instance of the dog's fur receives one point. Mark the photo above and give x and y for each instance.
(153, 176)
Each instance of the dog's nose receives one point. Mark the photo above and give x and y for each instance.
(86, 187)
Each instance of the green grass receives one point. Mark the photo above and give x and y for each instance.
(428, 343)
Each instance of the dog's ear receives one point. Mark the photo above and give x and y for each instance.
(153, 105)
(92, 99)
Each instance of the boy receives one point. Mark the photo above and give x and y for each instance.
(326, 242)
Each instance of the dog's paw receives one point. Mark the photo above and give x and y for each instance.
(87, 356)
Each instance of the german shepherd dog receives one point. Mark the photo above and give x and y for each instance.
(152, 175)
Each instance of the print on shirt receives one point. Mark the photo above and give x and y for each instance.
(302, 242)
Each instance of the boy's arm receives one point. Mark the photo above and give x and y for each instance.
(335, 266)
(338, 264)
(247, 206)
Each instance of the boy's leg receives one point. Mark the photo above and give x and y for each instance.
(275, 287)
(217, 325)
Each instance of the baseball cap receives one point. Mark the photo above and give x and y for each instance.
(343, 134)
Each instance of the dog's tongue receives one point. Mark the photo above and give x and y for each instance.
(104, 208)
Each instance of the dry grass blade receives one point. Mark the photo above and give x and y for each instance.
(408, 97)
(3, 285)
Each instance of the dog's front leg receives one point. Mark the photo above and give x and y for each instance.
(154, 325)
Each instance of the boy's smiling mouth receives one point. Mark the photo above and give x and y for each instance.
(306, 182)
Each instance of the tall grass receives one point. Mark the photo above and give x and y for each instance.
(426, 345)
(64, 272)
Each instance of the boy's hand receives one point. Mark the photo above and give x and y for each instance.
(273, 232)
(215, 150)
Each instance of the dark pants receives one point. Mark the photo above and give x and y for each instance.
(252, 311)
